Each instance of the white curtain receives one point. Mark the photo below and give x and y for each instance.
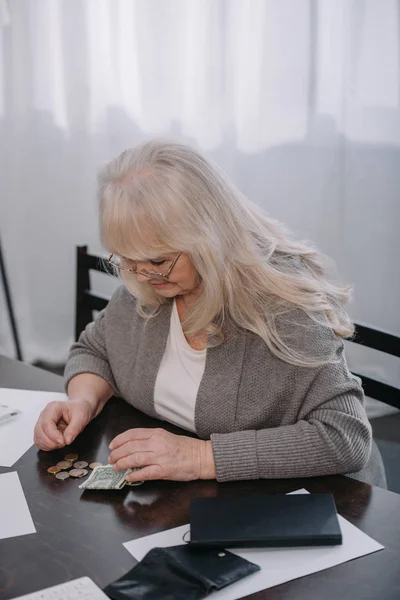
(297, 100)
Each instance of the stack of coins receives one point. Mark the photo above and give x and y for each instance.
(72, 467)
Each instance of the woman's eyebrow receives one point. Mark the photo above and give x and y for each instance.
(150, 258)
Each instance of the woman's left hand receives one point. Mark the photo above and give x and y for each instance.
(162, 455)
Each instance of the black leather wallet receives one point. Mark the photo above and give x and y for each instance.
(180, 573)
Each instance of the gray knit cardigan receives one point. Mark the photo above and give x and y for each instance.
(266, 418)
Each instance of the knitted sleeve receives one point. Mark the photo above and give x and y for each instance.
(331, 434)
(89, 354)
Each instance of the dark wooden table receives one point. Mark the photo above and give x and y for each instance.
(81, 533)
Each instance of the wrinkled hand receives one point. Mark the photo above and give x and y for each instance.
(162, 455)
(60, 422)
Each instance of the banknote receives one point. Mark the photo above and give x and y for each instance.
(105, 478)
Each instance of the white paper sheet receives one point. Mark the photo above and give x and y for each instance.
(15, 518)
(278, 565)
(83, 588)
(16, 435)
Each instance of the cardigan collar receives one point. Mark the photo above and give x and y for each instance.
(221, 378)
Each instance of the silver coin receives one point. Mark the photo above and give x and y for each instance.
(62, 475)
(64, 464)
(77, 472)
(80, 464)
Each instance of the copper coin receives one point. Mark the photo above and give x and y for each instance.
(53, 470)
(77, 472)
(93, 465)
(71, 457)
(80, 464)
(62, 475)
(64, 464)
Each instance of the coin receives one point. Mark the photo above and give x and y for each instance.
(71, 457)
(80, 464)
(64, 464)
(77, 472)
(93, 465)
(53, 470)
(62, 475)
(84, 472)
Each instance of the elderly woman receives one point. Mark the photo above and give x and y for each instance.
(224, 326)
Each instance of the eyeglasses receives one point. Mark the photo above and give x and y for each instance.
(117, 263)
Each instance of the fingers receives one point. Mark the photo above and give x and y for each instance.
(52, 432)
(146, 474)
(46, 435)
(133, 453)
(62, 425)
(137, 459)
(128, 448)
(43, 442)
(59, 424)
(76, 420)
(129, 435)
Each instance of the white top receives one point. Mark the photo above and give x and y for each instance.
(179, 377)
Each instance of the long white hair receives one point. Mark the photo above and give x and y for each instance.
(164, 197)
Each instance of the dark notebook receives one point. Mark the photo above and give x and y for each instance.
(265, 520)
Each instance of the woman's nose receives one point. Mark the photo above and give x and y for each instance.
(141, 278)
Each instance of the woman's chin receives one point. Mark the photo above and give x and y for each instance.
(168, 291)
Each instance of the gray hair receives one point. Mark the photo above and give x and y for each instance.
(164, 197)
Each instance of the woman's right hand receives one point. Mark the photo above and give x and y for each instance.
(60, 422)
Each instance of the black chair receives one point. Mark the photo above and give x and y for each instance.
(387, 343)
(86, 301)
(385, 428)
(9, 305)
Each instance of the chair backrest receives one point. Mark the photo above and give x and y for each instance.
(384, 342)
(86, 302)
